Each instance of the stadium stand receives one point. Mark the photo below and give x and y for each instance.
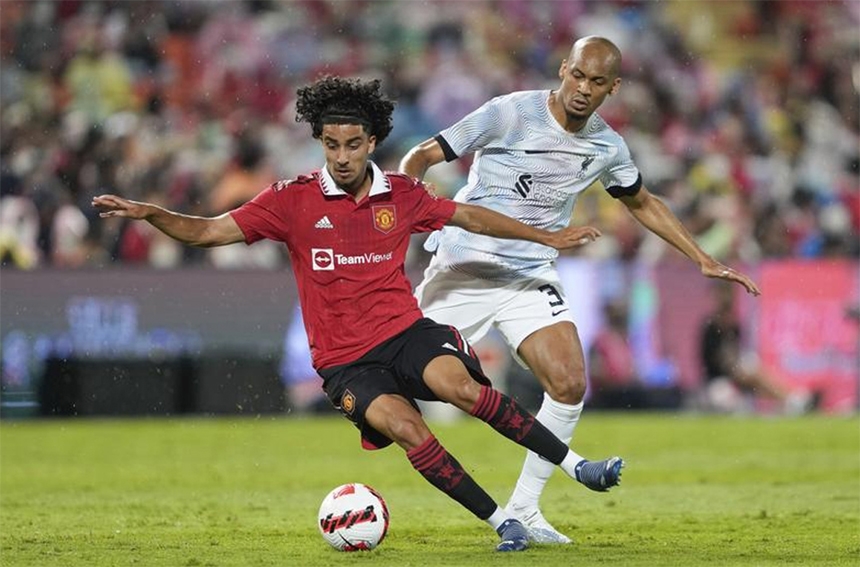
(744, 116)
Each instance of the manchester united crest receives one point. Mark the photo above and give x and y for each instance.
(347, 402)
(384, 218)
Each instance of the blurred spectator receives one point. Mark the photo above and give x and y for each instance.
(613, 382)
(733, 374)
(69, 231)
(19, 226)
(247, 174)
(612, 379)
(98, 82)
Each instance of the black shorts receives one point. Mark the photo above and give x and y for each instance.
(395, 367)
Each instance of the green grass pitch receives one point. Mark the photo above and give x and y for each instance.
(697, 490)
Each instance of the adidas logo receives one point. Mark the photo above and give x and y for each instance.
(449, 346)
(324, 223)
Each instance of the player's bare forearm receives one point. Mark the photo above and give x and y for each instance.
(422, 157)
(188, 229)
(197, 231)
(654, 215)
(480, 220)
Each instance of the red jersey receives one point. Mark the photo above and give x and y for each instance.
(347, 257)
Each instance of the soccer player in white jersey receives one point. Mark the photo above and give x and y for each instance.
(535, 151)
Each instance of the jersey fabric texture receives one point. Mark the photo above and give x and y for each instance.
(395, 367)
(528, 167)
(347, 257)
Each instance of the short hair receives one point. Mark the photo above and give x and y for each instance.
(611, 50)
(338, 100)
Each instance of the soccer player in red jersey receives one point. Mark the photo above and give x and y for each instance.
(347, 229)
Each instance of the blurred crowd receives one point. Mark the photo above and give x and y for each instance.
(742, 115)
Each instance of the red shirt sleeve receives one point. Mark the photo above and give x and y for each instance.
(431, 213)
(263, 216)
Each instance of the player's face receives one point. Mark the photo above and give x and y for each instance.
(586, 80)
(347, 148)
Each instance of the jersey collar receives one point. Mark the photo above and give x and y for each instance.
(330, 189)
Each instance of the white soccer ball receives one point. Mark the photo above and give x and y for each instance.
(353, 517)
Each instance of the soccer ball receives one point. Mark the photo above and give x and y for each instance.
(353, 517)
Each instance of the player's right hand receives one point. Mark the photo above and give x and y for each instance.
(714, 269)
(573, 237)
(113, 206)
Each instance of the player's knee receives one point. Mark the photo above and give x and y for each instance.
(452, 383)
(567, 388)
(464, 392)
(409, 432)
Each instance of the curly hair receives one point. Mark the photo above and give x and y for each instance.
(337, 100)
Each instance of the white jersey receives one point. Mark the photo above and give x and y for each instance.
(528, 167)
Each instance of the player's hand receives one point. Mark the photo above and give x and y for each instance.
(572, 237)
(717, 270)
(113, 206)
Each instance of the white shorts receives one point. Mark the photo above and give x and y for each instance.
(516, 308)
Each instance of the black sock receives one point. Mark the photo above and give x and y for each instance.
(443, 471)
(511, 420)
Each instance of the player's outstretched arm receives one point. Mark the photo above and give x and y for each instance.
(422, 157)
(193, 230)
(481, 220)
(654, 215)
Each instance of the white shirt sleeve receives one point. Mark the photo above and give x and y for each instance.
(473, 132)
(621, 176)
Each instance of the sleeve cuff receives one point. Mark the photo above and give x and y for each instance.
(618, 191)
(450, 155)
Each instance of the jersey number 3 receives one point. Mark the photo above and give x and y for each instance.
(555, 299)
(555, 296)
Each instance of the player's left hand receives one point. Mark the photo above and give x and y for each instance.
(572, 237)
(717, 270)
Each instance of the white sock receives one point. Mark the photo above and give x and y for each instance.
(568, 465)
(560, 419)
(497, 518)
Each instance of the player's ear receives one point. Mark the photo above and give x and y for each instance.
(371, 144)
(562, 68)
(616, 84)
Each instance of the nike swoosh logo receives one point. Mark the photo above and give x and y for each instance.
(554, 313)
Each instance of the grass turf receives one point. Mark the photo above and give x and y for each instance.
(196, 492)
